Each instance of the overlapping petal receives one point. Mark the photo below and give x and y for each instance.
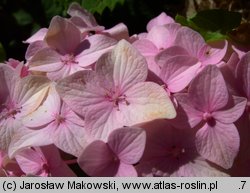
(218, 143)
(161, 19)
(208, 91)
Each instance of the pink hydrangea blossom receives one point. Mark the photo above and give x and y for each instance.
(87, 24)
(176, 72)
(44, 161)
(172, 152)
(36, 42)
(115, 95)
(196, 46)
(84, 20)
(18, 98)
(124, 148)
(66, 51)
(209, 105)
(52, 123)
(159, 38)
(159, 103)
(19, 67)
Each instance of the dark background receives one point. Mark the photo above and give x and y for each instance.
(21, 18)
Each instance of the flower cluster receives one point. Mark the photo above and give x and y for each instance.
(160, 103)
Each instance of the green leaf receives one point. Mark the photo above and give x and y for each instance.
(99, 5)
(214, 36)
(22, 17)
(2, 53)
(212, 24)
(182, 20)
(217, 20)
(186, 22)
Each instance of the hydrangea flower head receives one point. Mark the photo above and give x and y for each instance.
(115, 94)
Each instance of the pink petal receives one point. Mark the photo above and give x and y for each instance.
(76, 10)
(126, 170)
(9, 81)
(171, 152)
(3, 155)
(142, 35)
(146, 47)
(6, 75)
(208, 90)
(46, 60)
(168, 53)
(30, 92)
(101, 120)
(92, 48)
(8, 128)
(213, 54)
(147, 101)
(32, 104)
(20, 68)
(84, 27)
(240, 49)
(232, 62)
(218, 143)
(233, 113)
(26, 93)
(31, 162)
(228, 71)
(191, 40)
(178, 71)
(22, 91)
(243, 73)
(38, 36)
(33, 48)
(198, 168)
(46, 112)
(161, 19)
(167, 148)
(73, 117)
(160, 36)
(149, 50)
(128, 144)
(63, 36)
(55, 164)
(70, 138)
(119, 32)
(163, 36)
(13, 63)
(153, 66)
(124, 66)
(187, 115)
(65, 71)
(98, 160)
(181, 81)
(81, 91)
(27, 138)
